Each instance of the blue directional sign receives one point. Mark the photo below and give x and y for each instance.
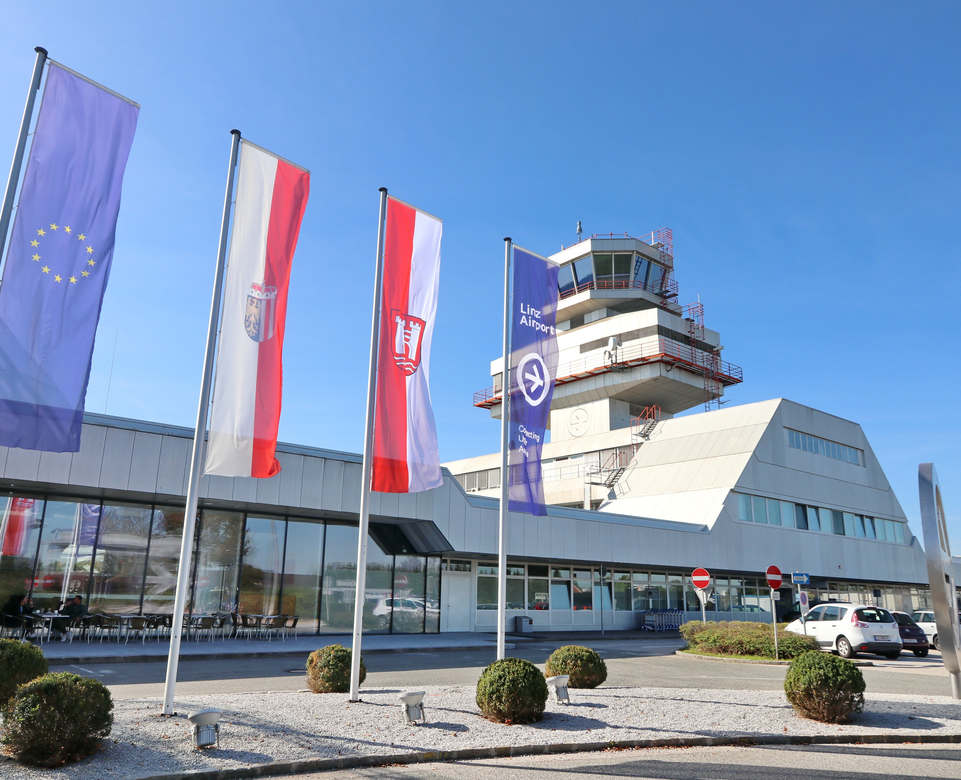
(798, 578)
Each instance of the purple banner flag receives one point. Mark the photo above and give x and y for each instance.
(533, 366)
(58, 261)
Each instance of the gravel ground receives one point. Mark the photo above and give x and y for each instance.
(259, 728)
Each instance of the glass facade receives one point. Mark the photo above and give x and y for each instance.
(122, 558)
(612, 270)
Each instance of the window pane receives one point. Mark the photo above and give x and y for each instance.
(218, 557)
(848, 524)
(787, 514)
(409, 611)
(837, 522)
(515, 595)
(561, 595)
(899, 533)
(486, 593)
(340, 577)
(263, 564)
(565, 279)
(603, 591)
(536, 571)
(583, 270)
(744, 508)
(305, 549)
(562, 574)
(538, 596)
(760, 512)
(859, 526)
(163, 560)
(120, 557)
(603, 266)
(869, 527)
(656, 279)
(66, 550)
(583, 598)
(640, 271)
(515, 571)
(880, 530)
(773, 511)
(377, 589)
(19, 535)
(813, 522)
(800, 517)
(432, 613)
(622, 267)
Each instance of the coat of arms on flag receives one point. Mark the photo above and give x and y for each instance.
(407, 337)
(259, 314)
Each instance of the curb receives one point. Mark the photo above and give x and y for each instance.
(354, 762)
(139, 659)
(686, 654)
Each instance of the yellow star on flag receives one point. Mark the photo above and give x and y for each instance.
(57, 278)
(85, 273)
(91, 262)
(46, 269)
(34, 243)
(53, 225)
(41, 232)
(89, 250)
(67, 228)
(81, 237)
(73, 280)
(36, 257)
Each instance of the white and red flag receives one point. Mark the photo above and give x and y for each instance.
(270, 202)
(406, 458)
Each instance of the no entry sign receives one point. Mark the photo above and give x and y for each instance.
(701, 578)
(773, 577)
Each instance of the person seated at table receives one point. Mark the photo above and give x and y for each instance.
(73, 609)
(16, 613)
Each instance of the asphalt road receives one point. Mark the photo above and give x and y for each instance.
(822, 762)
(631, 663)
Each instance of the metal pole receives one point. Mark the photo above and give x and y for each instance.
(777, 656)
(505, 477)
(361, 585)
(196, 458)
(603, 585)
(6, 210)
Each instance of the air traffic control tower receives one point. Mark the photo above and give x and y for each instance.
(629, 355)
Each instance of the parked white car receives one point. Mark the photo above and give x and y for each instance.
(850, 629)
(925, 619)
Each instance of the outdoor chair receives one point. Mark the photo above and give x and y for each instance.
(204, 624)
(221, 625)
(110, 626)
(290, 625)
(275, 625)
(235, 625)
(250, 625)
(137, 625)
(94, 625)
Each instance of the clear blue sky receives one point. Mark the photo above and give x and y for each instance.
(806, 156)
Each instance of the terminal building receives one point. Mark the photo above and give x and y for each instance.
(639, 496)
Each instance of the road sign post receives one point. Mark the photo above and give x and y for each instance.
(774, 580)
(702, 579)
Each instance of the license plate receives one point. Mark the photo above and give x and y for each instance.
(910, 641)
(882, 639)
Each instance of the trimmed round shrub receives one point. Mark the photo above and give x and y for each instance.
(328, 670)
(57, 719)
(585, 667)
(512, 690)
(823, 687)
(20, 662)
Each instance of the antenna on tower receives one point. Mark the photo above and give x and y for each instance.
(580, 232)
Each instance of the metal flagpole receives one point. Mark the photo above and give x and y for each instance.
(505, 431)
(197, 456)
(6, 210)
(361, 585)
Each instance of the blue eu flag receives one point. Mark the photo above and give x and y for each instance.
(58, 260)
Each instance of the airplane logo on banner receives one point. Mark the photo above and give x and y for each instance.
(407, 334)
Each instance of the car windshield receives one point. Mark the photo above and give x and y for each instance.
(874, 615)
(903, 620)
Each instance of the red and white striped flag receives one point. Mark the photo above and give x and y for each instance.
(271, 198)
(406, 458)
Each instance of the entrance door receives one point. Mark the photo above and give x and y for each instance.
(456, 606)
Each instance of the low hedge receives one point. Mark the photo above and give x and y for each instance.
(512, 690)
(737, 637)
(823, 687)
(585, 667)
(20, 662)
(57, 719)
(328, 670)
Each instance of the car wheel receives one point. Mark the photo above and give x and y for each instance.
(921, 653)
(844, 648)
(382, 621)
(936, 642)
(892, 656)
